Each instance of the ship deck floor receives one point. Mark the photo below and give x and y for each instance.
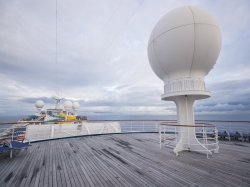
(123, 160)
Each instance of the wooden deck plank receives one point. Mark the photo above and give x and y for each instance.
(63, 175)
(112, 180)
(136, 162)
(120, 165)
(18, 162)
(141, 160)
(98, 167)
(65, 167)
(68, 163)
(124, 160)
(33, 168)
(79, 176)
(134, 166)
(96, 176)
(45, 156)
(40, 166)
(113, 176)
(91, 166)
(82, 174)
(57, 180)
(91, 172)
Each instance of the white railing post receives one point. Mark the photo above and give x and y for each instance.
(143, 123)
(189, 136)
(52, 131)
(160, 135)
(87, 129)
(175, 129)
(216, 141)
(205, 131)
(203, 134)
(12, 137)
(164, 138)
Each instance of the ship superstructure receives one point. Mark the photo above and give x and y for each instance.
(57, 115)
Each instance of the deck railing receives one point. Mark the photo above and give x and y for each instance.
(206, 134)
(52, 131)
(14, 133)
(226, 130)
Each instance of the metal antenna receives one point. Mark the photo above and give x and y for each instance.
(58, 101)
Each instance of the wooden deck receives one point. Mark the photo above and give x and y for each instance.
(123, 160)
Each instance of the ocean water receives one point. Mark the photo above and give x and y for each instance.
(231, 123)
(6, 121)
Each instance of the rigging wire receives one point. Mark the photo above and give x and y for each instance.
(56, 55)
(57, 96)
(56, 32)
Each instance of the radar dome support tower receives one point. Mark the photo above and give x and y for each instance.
(183, 48)
(58, 101)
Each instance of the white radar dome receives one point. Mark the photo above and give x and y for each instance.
(39, 104)
(76, 105)
(183, 48)
(68, 105)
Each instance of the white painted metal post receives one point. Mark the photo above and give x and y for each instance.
(164, 138)
(160, 135)
(205, 132)
(216, 141)
(189, 147)
(86, 127)
(52, 131)
(175, 129)
(12, 134)
(11, 152)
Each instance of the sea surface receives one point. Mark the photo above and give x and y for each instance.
(231, 123)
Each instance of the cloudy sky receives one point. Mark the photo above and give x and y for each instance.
(102, 56)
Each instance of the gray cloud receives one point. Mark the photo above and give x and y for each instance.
(228, 97)
(102, 56)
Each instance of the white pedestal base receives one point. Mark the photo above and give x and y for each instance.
(188, 141)
(187, 137)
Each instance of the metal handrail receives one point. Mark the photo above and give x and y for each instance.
(196, 125)
(168, 135)
(13, 133)
(134, 126)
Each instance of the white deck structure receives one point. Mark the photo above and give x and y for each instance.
(182, 49)
(52, 131)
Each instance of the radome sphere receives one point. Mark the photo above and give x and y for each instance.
(68, 105)
(185, 43)
(76, 105)
(39, 104)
